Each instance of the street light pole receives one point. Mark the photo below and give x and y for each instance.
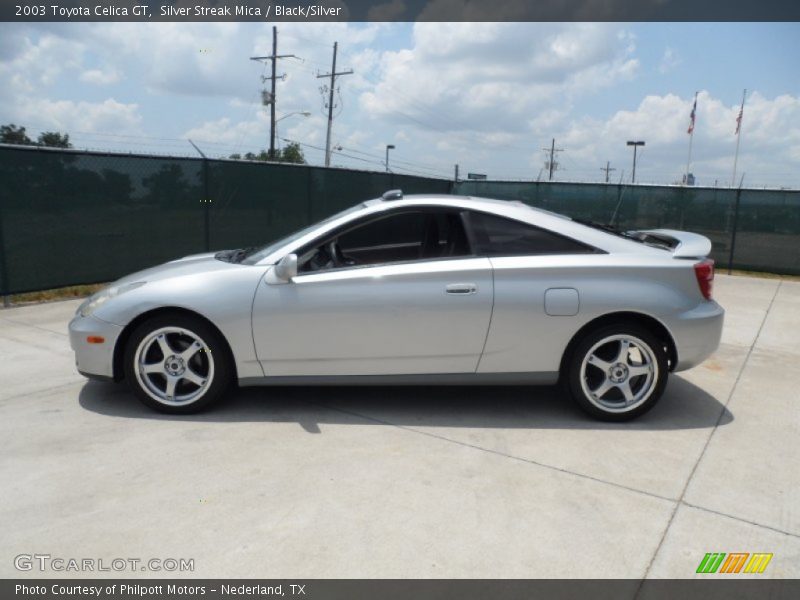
(388, 147)
(305, 113)
(635, 145)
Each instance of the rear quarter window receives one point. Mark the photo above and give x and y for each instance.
(499, 236)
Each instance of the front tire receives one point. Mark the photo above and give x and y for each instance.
(177, 364)
(617, 372)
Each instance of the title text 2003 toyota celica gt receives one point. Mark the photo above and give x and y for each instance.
(415, 290)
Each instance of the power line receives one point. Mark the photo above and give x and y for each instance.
(396, 160)
(350, 156)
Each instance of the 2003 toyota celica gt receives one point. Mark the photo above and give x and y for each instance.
(415, 290)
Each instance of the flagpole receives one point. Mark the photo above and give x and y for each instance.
(738, 137)
(691, 137)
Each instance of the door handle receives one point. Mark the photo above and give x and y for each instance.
(461, 289)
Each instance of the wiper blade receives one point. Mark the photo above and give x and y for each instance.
(224, 255)
(235, 256)
(239, 255)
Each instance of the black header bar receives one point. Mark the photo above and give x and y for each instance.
(398, 10)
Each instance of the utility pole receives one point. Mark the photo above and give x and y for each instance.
(551, 164)
(455, 175)
(607, 169)
(273, 58)
(333, 75)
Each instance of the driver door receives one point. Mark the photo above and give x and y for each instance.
(401, 294)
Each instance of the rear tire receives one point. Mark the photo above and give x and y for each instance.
(177, 364)
(617, 372)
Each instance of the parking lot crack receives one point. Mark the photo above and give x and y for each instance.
(23, 324)
(754, 523)
(723, 411)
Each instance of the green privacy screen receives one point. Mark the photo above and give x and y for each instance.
(759, 229)
(69, 217)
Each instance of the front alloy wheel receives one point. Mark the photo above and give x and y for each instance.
(174, 366)
(618, 372)
(177, 364)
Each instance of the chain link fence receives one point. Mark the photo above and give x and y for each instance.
(71, 217)
(757, 230)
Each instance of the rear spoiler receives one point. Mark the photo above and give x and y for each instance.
(682, 244)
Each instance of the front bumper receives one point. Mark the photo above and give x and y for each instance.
(93, 360)
(697, 333)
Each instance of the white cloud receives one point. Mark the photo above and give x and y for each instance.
(66, 115)
(490, 76)
(669, 60)
(770, 145)
(100, 77)
(486, 95)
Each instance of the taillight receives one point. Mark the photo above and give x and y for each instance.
(704, 271)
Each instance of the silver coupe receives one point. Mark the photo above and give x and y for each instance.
(415, 290)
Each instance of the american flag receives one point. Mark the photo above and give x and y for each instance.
(691, 117)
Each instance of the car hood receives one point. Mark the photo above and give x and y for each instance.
(188, 265)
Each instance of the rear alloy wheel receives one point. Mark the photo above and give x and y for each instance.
(177, 364)
(618, 372)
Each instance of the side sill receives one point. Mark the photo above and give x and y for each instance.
(543, 378)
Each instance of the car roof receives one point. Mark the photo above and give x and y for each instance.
(453, 200)
(511, 209)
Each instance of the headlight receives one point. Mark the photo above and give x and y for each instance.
(92, 303)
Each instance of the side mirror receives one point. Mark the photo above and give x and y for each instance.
(286, 267)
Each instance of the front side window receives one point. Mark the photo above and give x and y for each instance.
(498, 236)
(399, 237)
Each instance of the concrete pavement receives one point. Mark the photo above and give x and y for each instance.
(409, 482)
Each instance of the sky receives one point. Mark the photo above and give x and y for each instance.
(486, 96)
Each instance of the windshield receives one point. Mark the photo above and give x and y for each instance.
(251, 256)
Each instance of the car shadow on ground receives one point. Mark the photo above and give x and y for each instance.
(683, 406)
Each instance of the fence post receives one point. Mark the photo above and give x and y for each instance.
(207, 205)
(735, 227)
(309, 195)
(4, 285)
(614, 221)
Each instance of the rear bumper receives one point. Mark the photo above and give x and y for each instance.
(697, 333)
(93, 360)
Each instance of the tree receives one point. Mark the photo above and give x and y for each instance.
(292, 153)
(54, 139)
(11, 134)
